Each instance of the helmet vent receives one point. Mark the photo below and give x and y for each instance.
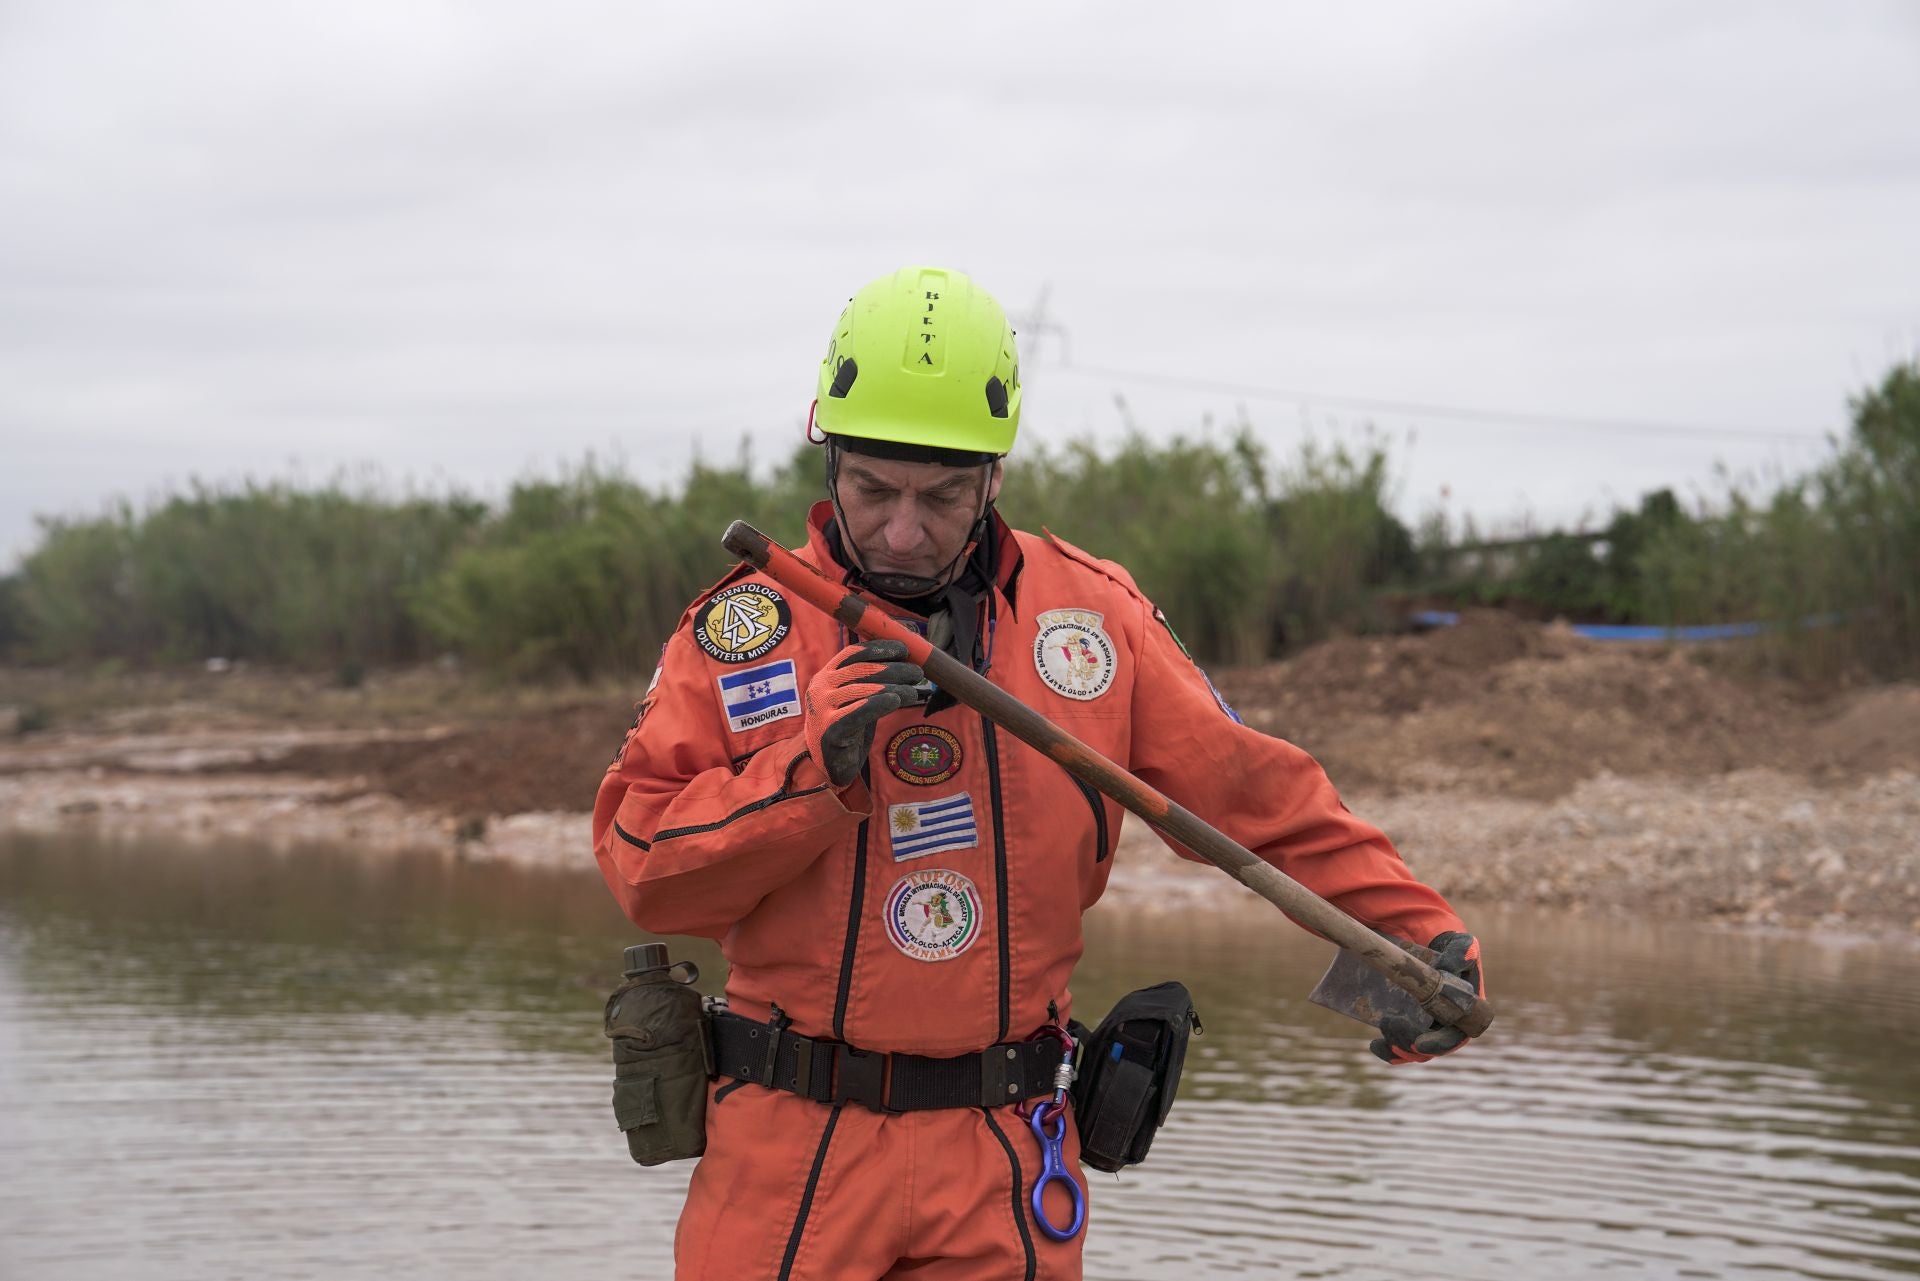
(996, 397)
(843, 375)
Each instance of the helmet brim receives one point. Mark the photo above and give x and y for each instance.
(906, 452)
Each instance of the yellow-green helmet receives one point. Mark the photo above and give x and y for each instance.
(924, 358)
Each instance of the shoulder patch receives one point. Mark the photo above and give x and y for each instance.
(1073, 653)
(1160, 617)
(742, 622)
(1218, 697)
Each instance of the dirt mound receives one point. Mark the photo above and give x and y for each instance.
(1876, 729)
(1495, 706)
(1519, 709)
(1394, 675)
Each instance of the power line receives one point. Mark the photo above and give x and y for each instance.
(1632, 426)
(1037, 323)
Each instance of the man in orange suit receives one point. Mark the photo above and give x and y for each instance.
(897, 885)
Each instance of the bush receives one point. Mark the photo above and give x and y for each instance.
(312, 577)
(1830, 558)
(1243, 558)
(13, 621)
(590, 573)
(1337, 541)
(1187, 519)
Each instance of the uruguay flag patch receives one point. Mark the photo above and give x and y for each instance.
(760, 694)
(932, 827)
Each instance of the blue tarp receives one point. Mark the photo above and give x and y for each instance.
(1633, 632)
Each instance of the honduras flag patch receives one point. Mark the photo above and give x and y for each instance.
(760, 694)
(932, 827)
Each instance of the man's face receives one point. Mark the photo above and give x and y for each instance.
(909, 518)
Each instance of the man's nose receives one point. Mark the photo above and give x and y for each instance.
(903, 531)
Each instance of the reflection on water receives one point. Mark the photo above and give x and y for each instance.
(236, 1063)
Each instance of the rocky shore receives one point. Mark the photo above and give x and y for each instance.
(1511, 764)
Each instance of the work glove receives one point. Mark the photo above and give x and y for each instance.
(1405, 1039)
(846, 699)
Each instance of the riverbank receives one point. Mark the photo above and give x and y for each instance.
(1510, 763)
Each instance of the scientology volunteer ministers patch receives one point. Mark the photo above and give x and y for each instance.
(742, 622)
(1073, 656)
(933, 915)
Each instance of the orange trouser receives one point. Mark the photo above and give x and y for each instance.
(792, 1189)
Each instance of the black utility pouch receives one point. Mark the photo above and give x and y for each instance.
(662, 1058)
(1129, 1072)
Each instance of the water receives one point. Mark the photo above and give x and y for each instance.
(234, 1063)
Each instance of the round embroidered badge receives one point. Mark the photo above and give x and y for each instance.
(740, 623)
(923, 755)
(933, 915)
(1074, 657)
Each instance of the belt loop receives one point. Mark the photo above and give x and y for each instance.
(1000, 1076)
(777, 1024)
(803, 1067)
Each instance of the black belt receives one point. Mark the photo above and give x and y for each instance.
(835, 1072)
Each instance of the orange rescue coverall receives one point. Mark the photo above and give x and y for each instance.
(932, 907)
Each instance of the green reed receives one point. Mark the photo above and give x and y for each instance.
(588, 572)
(311, 576)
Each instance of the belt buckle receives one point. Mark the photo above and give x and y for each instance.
(860, 1076)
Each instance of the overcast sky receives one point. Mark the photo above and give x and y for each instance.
(466, 241)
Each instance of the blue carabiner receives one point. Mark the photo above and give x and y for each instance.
(1053, 1168)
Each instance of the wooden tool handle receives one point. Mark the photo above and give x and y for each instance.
(1165, 816)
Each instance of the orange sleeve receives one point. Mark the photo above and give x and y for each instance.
(1267, 794)
(688, 839)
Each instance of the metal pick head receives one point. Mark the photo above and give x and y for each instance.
(1353, 988)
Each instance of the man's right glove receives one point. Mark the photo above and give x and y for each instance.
(1405, 1040)
(846, 699)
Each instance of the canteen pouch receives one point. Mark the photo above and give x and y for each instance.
(1129, 1073)
(662, 1061)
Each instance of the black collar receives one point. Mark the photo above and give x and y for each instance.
(961, 598)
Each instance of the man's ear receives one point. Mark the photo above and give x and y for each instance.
(993, 484)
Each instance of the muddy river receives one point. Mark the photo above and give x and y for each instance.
(232, 1063)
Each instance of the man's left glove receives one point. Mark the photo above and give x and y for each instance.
(1409, 1040)
(846, 699)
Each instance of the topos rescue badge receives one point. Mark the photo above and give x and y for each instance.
(1074, 657)
(933, 915)
(741, 623)
(923, 755)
